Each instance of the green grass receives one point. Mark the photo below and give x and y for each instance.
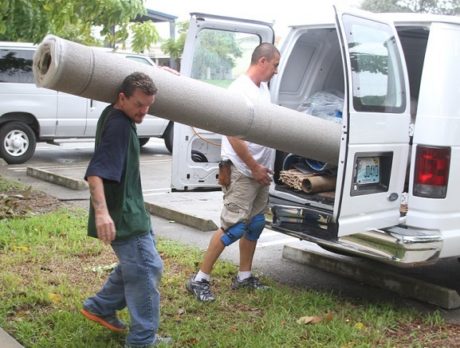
(6, 185)
(49, 267)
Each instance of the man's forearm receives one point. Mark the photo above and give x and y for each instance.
(259, 172)
(104, 224)
(96, 189)
(241, 149)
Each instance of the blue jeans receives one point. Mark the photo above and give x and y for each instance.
(133, 283)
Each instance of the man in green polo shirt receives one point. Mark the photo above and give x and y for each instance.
(118, 217)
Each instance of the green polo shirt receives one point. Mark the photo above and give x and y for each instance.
(116, 161)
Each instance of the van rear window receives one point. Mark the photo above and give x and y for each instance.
(377, 74)
(16, 66)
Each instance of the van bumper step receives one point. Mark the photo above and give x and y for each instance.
(399, 246)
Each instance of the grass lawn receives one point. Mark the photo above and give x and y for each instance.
(49, 266)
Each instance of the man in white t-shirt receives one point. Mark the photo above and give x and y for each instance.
(246, 196)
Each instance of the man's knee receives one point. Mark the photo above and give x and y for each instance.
(255, 227)
(233, 233)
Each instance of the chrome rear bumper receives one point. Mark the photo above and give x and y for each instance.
(400, 246)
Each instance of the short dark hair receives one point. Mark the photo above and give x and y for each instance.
(265, 49)
(137, 80)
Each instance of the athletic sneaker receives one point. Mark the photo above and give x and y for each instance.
(159, 340)
(111, 322)
(248, 283)
(201, 289)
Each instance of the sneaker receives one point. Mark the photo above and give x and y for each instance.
(111, 322)
(159, 340)
(249, 283)
(201, 289)
(166, 340)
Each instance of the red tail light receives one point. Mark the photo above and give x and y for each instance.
(431, 171)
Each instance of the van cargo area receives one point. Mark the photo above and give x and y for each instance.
(313, 72)
(313, 82)
(388, 84)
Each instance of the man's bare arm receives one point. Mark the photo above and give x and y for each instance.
(259, 172)
(104, 223)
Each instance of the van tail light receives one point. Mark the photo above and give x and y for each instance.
(431, 171)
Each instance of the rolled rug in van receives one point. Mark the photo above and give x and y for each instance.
(318, 183)
(73, 68)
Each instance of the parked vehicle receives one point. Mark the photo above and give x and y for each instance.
(29, 114)
(391, 82)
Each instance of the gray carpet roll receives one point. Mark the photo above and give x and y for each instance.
(73, 68)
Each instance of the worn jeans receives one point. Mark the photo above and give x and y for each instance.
(133, 283)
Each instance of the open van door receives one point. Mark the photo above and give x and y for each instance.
(374, 157)
(217, 50)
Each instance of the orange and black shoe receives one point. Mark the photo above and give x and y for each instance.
(111, 322)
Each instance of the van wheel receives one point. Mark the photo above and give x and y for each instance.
(143, 141)
(17, 142)
(168, 136)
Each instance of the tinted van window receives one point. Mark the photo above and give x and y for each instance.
(16, 66)
(378, 81)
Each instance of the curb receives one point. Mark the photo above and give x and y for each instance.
(6, 341)
(367, 273)
(62, 180)
(200, 224)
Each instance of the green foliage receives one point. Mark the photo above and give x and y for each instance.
(446, 7)
(144, 35)
(216, 53)
(31, 20)
(175, 47)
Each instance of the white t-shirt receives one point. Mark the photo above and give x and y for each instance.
(262, 154)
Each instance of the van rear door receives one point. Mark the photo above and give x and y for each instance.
(217, 50)
(375, 157)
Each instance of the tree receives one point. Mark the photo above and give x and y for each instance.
(446, 7)
(216, 53)
(175, 47)
(31, 20)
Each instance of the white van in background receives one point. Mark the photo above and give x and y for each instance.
(391, 82)
(29, 114)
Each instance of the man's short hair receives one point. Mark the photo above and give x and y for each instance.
(138, 80)
(265, 49)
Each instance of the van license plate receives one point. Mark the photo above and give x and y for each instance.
(368, 170)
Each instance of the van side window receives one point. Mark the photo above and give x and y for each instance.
(16, 66)
(221, 56)
(377, 75)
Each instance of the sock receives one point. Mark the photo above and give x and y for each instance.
(242, 275)
(200, 276)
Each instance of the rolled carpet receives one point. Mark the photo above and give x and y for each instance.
(73, 68)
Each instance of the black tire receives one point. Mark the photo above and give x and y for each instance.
(168, 136)
(17, 142)
(198, 156)
(143, 141)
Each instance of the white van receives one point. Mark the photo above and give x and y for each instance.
(391, 82)
(29, 114)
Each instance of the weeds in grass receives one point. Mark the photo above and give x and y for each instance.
(49, 267)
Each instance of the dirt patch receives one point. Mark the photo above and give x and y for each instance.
(444, 335)
(26, 202)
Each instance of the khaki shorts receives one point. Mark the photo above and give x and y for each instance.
(244, 198)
